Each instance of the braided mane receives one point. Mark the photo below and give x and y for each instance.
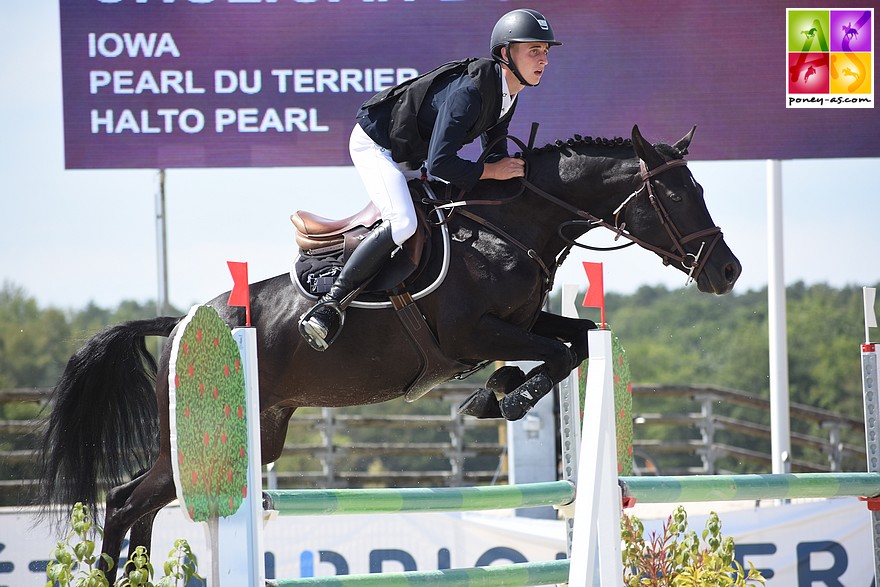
(578, 140)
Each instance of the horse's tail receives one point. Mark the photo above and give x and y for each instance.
(102, 424)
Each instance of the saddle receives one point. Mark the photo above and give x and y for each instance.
(325, 244)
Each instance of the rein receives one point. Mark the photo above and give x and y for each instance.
(693, 262)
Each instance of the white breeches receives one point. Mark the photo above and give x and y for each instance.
(385, 181)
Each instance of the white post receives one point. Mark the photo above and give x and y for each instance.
(872, 435)
(241, 550)
(598, 499)
(869, 294)
(780, 431)
(871, 395)
(569, 419)
(162, 305)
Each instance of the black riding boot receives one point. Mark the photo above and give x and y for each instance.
(321, 325)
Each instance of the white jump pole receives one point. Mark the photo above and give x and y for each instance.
(569, 420)
(872, 414)
(241, 546)
(598, 500)
(780, 425)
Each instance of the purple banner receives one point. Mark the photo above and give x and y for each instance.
(250, 83)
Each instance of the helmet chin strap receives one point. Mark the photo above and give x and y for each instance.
(512, 67)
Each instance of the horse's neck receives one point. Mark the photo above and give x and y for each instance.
(592, 183)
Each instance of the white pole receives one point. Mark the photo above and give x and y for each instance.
(780, 433)
(241, 539)
(569, 419)
(869, 294)
(162, 306)
(598, 501)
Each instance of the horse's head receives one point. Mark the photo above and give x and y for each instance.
(668, 215)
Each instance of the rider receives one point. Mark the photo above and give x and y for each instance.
(426, 121)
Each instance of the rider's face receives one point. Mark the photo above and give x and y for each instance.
(530, 59)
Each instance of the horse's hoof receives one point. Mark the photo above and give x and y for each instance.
(505, 380)
(481, 404)
(517, 404)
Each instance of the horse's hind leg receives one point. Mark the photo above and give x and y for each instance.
(484, 402)
(142, 533)
(134, 506)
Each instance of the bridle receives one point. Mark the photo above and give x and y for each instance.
(693, 263)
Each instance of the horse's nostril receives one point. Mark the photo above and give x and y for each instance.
(730, 273)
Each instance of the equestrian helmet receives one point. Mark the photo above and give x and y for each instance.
(521, 26)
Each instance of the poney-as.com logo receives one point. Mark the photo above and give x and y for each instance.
(830, 58)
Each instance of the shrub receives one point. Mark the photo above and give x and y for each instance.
(678, 558)
(73, 564)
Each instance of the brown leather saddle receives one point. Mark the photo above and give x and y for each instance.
(334, 241)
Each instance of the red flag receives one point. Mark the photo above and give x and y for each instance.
(240, 295)
(595, 297)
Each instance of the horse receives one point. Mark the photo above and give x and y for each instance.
(810, 71)
(107, 428)
(809, 33)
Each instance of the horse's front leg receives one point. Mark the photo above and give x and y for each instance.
(544, 343)
(571, 330)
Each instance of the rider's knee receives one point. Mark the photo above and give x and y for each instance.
(402, 228)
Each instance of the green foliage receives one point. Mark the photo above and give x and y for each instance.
(685, 337)
(678, 336)
(74, 564)
(688, 337)
(679, 558)
(35, 343)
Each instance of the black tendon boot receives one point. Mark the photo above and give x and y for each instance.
(321, 325)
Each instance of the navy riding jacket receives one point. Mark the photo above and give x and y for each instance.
(430, 118)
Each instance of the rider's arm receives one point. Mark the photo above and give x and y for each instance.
(457, 114)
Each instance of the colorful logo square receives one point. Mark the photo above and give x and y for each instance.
(851, 31)
(808, 30)
(851, 73)
(808, 73)
(830, 59)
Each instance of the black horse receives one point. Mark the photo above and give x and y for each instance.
(108, 425)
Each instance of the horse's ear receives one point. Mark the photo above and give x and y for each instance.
(683, 144)
(645, 150)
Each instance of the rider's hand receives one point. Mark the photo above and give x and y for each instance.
(506, 168)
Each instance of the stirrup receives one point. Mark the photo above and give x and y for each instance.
(318, 340)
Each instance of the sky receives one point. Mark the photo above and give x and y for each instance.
(73, 237)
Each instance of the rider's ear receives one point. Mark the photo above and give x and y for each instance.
(645, 150)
